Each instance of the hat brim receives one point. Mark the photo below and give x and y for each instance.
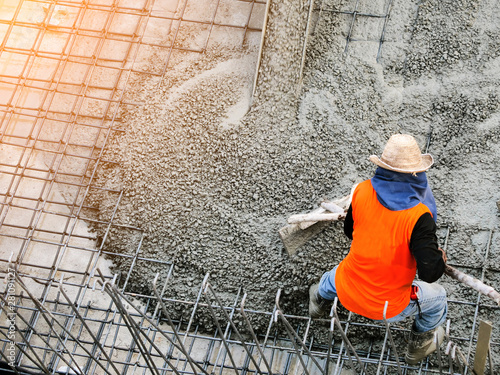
(427, 161)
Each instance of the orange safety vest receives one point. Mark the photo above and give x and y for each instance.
(380, 266)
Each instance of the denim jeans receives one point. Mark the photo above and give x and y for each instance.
(431, 298)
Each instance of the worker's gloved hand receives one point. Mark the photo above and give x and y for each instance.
(445, 258)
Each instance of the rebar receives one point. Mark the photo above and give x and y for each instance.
(345, 340)
(254, 336)
(388, 334)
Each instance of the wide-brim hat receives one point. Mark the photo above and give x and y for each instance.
(402, 154)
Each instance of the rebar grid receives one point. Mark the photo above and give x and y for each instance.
(59, 147)
(376, 32)
(136, 330)
(68, 70)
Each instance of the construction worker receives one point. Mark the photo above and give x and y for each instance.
(391, 222)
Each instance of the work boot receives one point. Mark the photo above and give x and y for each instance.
(421, 344)
(317, 304)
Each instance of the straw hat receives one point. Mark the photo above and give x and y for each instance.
(402, 154)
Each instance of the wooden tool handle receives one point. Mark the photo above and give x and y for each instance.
(312, 217)
(473, 283)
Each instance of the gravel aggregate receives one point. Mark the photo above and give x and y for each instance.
(211, 183)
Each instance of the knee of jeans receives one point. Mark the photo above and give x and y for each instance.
(440, 290)
(436, 290)
(438, 303)
(326, 288)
